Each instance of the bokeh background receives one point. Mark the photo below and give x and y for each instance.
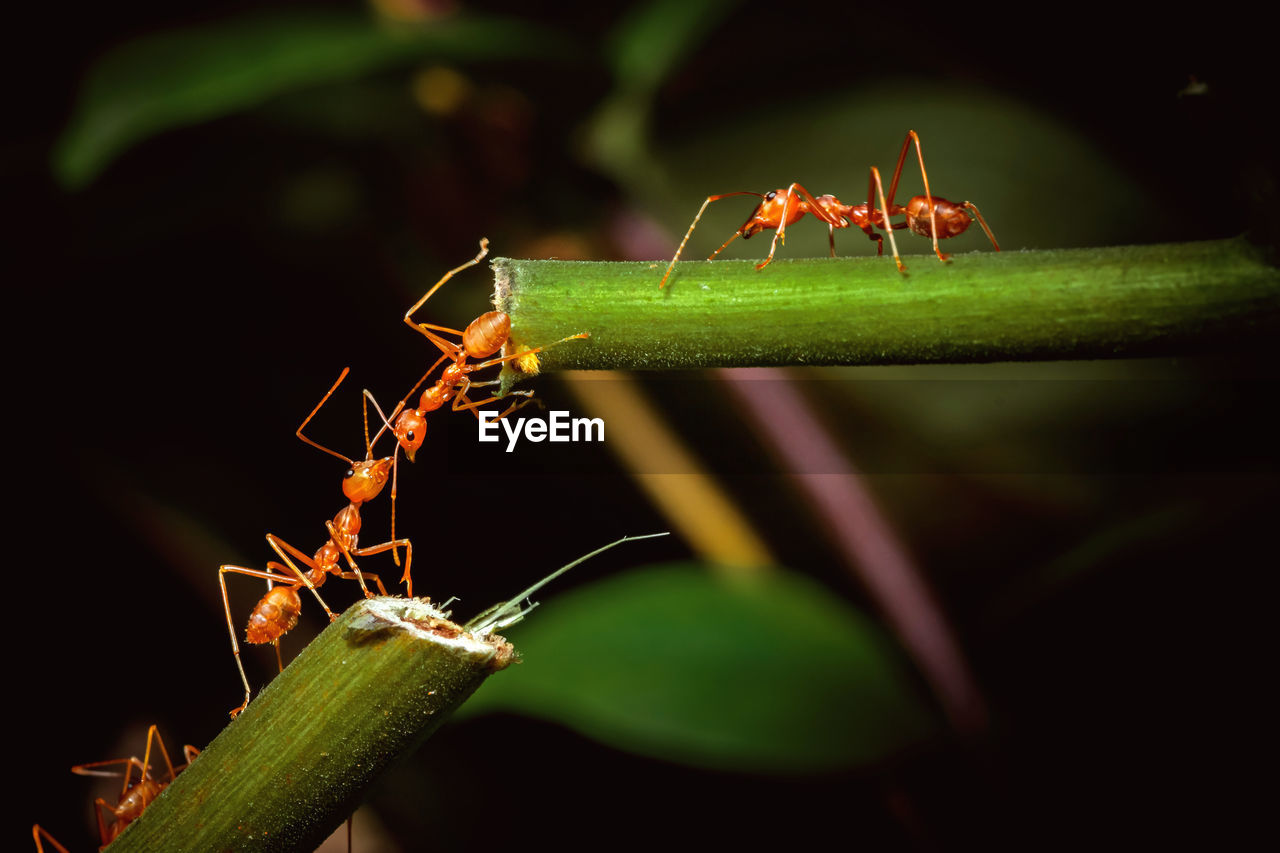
(216, 206)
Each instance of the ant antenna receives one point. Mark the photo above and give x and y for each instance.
(324, 400)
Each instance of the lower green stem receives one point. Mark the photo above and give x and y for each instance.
(296, 763)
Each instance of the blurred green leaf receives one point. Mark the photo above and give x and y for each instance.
(183, 77)
(651, 41)
(644, 48)
(763, 675)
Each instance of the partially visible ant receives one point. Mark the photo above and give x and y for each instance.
(134, 796)
(277, 612)
(927, 215)
(484, 337)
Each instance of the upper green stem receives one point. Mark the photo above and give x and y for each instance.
(1070, 303)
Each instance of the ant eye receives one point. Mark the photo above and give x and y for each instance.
(770, 196)
(351, 472)
(409, 435)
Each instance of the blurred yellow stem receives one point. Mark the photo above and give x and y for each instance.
(690, 498)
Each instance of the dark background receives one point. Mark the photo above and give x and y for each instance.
(171, 323)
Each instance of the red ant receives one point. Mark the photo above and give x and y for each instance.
(134, 796)
(483, 338)
(277, 612)
(927, 215)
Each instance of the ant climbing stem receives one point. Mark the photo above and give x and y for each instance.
(482, 339)
(277, 612)
(134, 797)
(926, 215)
(874, 182)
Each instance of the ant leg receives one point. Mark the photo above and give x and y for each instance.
(449, 348)
(484, 250)
(734, 236)
(973, 208)
(781, 233)
(386, 421)
(323, 400)
(518, 405)
(337, 540)
(395, 463)
(277, 544)
(129, 764)
(152, 731)
(406, 578)
(875, 181)
(694, 224)
(364, 416)
(99, 806)
(473, 405)
(231, 628)
(395, 481)
(893, 187)
(472, 368)
(831, 238)
(897, 170)
(37, 830)
(933, 214)
(382, 590)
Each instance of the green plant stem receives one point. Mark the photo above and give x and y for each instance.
(980, 307)
(297, 762)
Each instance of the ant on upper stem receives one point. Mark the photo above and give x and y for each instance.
(483, 338)
(277, 612)
(927, 215)
(134, 796)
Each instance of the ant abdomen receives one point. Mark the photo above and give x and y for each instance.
(135, 802)
(486, 334)
(274, 616)
(953, 219)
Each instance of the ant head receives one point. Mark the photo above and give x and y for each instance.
(364, 480)
(411, 430)
(768, 213)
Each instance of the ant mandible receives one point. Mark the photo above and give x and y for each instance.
(134, 796)
(927, 215)
(484, 337)
(277, 612)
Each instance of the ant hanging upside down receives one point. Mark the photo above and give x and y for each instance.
(483, 338)
(134, 796)
(927, 215)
